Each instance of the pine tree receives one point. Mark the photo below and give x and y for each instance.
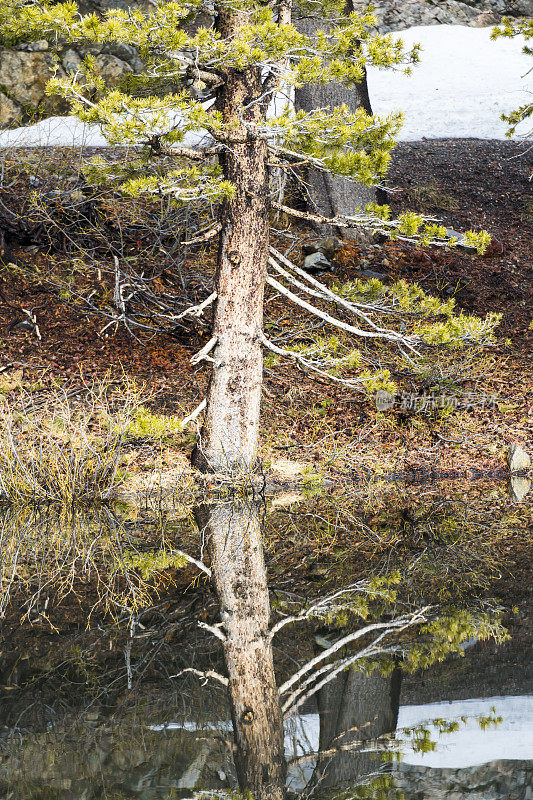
(230, 137)
(511, 28)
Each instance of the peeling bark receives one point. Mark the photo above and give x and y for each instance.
(228, 440)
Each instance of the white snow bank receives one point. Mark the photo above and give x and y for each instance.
(62, 131)
(464, 82)
(71, 132)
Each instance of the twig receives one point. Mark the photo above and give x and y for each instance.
(212, 629)
(206, 236)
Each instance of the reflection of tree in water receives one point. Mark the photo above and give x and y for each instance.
(354, 707)
(316, 638)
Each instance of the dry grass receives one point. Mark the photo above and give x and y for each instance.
(432, 196)
(64, 449)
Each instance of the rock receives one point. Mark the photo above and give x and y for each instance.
(111, 69)
(329, 246)
(316, 262)
(485, 19)
(310, 247)
(517, 458)
(125, 52)
(71, 61)
(33, 47)
(370, 274)
(10, 112)
(23, 76)
(400, 14)
(456, 235)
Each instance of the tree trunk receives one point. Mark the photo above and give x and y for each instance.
(236, 553)
(229, 437)
(328, 194)
(352, 707)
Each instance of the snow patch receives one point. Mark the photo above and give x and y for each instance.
(463, 84)
(470, 746)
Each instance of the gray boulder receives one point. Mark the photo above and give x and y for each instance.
(517, 458)
(518, 488)
(316, 262)
(369, 274)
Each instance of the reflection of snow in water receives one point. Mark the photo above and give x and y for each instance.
(471, 745)
(511, 739)
(461, 87)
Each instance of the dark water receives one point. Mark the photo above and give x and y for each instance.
(397, 634)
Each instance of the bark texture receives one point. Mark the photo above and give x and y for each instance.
(229, 437)
(352, 707)
(236, 552)
(328, 194)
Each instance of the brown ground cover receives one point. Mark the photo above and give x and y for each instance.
(466, 183)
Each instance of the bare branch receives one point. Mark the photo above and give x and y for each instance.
(307, 365)
(206, 236)
(332, 670)
(309, 216)
(191, 560)
(198, 310)
(203, 675)
(390, 336)
(394, 625)
(212, 629)
(203, 354)
(198, 410)
(355, 308)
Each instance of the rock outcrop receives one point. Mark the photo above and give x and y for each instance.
(396, 15)
(497, 780)
(26, 69)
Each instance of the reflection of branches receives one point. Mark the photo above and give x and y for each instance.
(203, 675)
(333, 603)
(47, 549)
(304, 687)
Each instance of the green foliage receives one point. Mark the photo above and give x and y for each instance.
(455, 331)
(354, 144)
(461, 329)
(150, 563)
(62, 451)
(153, 426)
(379, 380)
(445, 635)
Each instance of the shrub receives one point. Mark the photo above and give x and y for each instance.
(65, 448)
